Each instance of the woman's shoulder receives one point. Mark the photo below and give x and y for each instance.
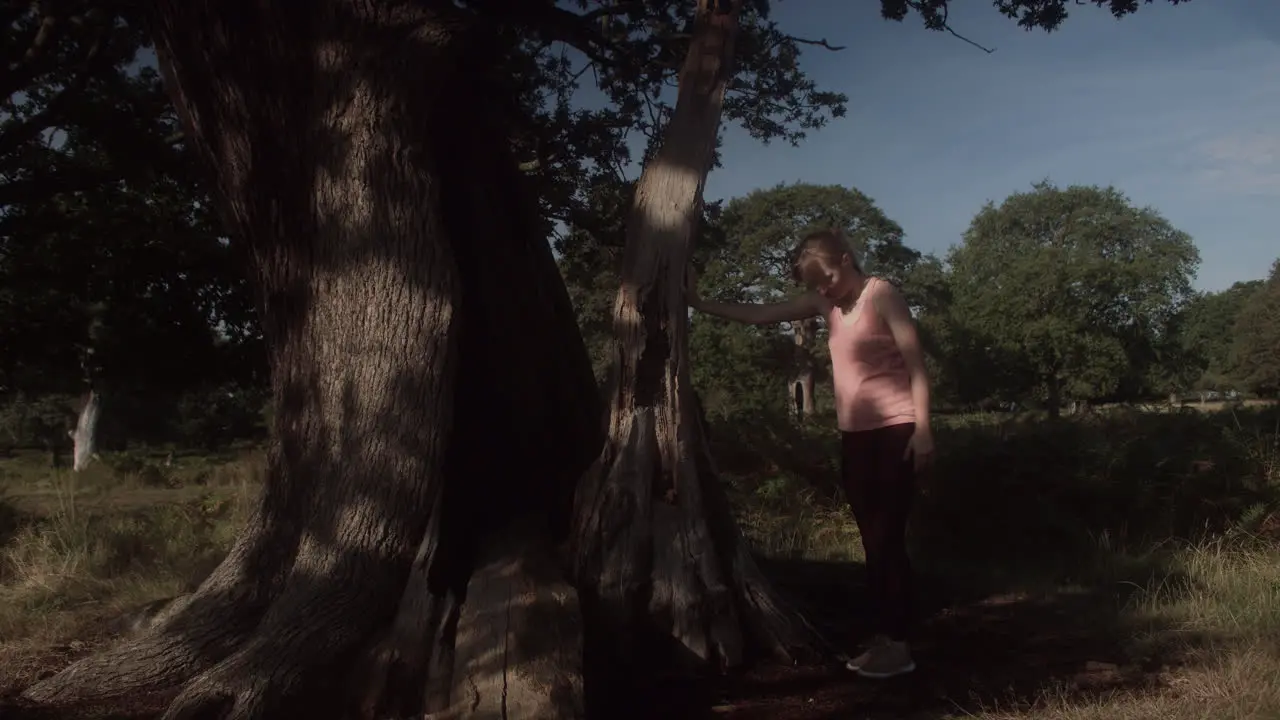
(881, 286)
(881, 290)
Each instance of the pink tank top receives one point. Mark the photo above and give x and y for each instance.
(873, 387)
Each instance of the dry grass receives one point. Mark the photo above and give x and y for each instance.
(783, 521)
(1073, 511)
(1212, 619)
(78, 552)
(1225, 627)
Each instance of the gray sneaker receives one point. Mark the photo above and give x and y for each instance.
(874, 645)
(885, 660)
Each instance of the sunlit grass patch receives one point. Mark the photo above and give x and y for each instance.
(82, 555)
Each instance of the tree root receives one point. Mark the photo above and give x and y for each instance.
(188, 636)
(411, 669)
(519, 646)
(176, 640)
(776, 626)
(286, 667)
(146, 617)
(229, 691)
(518, 650)
(660, 554)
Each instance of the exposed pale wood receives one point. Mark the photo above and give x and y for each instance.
(657, 553)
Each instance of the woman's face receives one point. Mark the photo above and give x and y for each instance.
(834, 281)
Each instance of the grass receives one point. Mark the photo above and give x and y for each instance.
(77, 552)
(1224, 629)
(1157, 531)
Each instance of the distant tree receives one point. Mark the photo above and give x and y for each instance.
(762, 228)
(1255, 351)
(928, 289)
(752, 263)
(1207, 331)
(1069, 293)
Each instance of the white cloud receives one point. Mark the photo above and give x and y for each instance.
(1243, 162)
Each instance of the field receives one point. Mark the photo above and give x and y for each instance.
(1121, 565)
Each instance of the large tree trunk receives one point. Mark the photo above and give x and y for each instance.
(665, 577)
(431, 389)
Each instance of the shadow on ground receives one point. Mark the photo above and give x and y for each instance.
(144, 707)
(976, 650)
(11, 520)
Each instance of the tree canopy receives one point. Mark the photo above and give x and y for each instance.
(1069, 292)
(1254, 357)
(758, 235)
(1208, 331)
(114, 272)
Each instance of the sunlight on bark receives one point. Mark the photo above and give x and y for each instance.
(674, 215)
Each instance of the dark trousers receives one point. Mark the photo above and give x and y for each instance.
(880, 487)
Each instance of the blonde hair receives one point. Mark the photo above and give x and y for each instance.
(827, 246)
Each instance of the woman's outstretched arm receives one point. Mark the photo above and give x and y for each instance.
(795, 309)
(798, 308)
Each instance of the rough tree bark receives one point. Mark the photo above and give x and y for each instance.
(433, 396)
(664, 576)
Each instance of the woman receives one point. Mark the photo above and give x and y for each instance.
(882, 408)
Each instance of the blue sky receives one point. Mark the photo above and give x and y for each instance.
(1179, 107)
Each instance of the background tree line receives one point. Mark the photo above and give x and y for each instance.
(1054, 296)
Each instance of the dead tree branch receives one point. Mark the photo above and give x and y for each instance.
(819, 43)
(938, 20)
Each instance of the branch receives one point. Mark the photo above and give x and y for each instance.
(615, 9)
(589, 222)
(556, 24)
(28, 129)
(820, 43)
(657, 114)
(21, 74)
(41, 186)
(771, 104)
(955, 34)
(589, 66)
(52, 28)
(941, 23)
(536, 164)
